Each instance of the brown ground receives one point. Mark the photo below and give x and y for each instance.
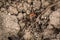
(29, 19)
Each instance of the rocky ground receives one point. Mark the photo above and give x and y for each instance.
(29, 19)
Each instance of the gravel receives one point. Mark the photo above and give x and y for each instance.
(55, 18)
(12, 10)
(29, 19)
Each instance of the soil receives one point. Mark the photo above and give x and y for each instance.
(29, 19)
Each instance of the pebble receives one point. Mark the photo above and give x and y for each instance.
(36, 6)
(26, 5)
(12, 10)
(55, 19)
(49, 27)
(28, 12)
(29, 1)
(19, 7)
(27, 35)
(20, 16)
(22, 24)
(11, 26)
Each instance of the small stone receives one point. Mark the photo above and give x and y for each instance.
(45, 4)
(9, 14)
(29, 1)
(10, 25)
(47, 33)
(24, 14)
(26, 5)
(14, 4)
(22, 24)
(12, 10)
(28, 11)
(58, 35)
(3, 9)
(36, 6)
(27, 35)
(20, 16)
(19, 7)
(55, 19)
(49, 27)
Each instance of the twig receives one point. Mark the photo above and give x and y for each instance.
(45, 11)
